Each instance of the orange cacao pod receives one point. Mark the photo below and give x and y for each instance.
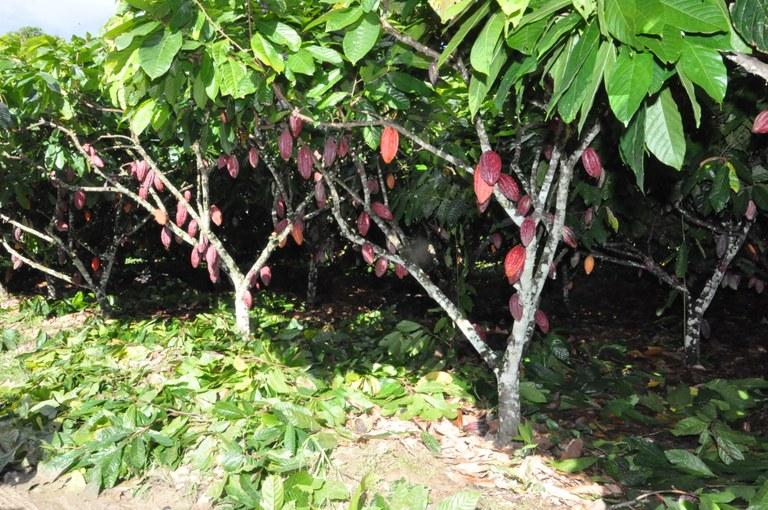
(589, 264)
(483, 190)
(514, 263)
(390, 140)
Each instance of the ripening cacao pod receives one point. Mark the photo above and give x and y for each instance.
(285, 144)
(524, 205)
(88, 149)
(363, 223)
(490, 167)
(216, 216)
(296, 124)
(509, 187)
(368, 255)
(527, 231)
(97, 161)
(281, 226)
(514, 263)
(390, 181)
(95, 264)
(304, 162)
(400, 271)
(233, 166)
(202, 245)
(213, 273)
(280, 207)
(760, 125)
(17, 234)
(192, 228)
(161, 217)
(142, 169)
(253, 157)
(390, 140)
(194, 258)
(515, 307)
(265, 273)
(592, 164)
(87, 215)
(382, 211)
(343, 149)
(751, 211)
(158, 182)
(16, 261)
(321, 196)
(569, 237)
(380, 269)
(496, 240)
(752, 250)
(165, 237)
(483, 190)
(373, 186)
(589, 264)
(297, 231)
(181, 214)
(221, 163)
(79, 199)
(329, 151)
(61, 226)
(247, 298)
(541, 321)
(211, 256)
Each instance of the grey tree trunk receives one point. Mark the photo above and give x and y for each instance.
(242, 317)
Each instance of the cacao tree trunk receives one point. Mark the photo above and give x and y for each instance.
(50, 287)
(508, 382)
(242, 317)
(312, 282)
(697, 308)
(4, 295)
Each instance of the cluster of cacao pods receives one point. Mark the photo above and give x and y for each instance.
(93, 157)
(231, 163)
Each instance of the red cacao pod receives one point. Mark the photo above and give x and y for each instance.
(194, 258)
(17, 233)
(524, 205)
(285, 145)
(496, 240)
(321, 196)
(296, 124)
(265, 273)
(281, 226)
(381, 266)
(490, 167)
(329, 151)
(158, 182)
(382, 211)
(253, 157)
(363, 223)
(88, 149)
(202, 245)
(400, 271)
(216, 216)
(760, 125)
(483, 190)
(280, 207)
(527, 231)
(61, 226)
(181, 214)
(373, 186)
(16, 262)
(79, 199)
(95, 264)
(247, 298)
(211, 256)
(188, 196)
(343, 149)
(142, 168)
(548, 152)
(166, 237)
(222, 161)
(297, 232)
(514, 263)
(592, 164)
(233, 166)
(305, 162)
(509, 187)
(569, 237)
(97, 161)
(192, 228)
(390, 140)
(541, 321)
(367, 252)
(515, 307)
(213, 273)
(751, 211)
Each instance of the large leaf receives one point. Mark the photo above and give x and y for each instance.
(627, 82)
(449, 9)
(484, 48)
(606, 58)
(664, 131)
(465, 500)
(266, 53)
(688, 462)
(156, 54)
(632, 147)
(462, 32)
(342, 18)
(620, 18)
(142, 116)
(689, 90)
(694, 16)
(750, 17)
(361, 39)
(513, 9)
(272, 493)
(479, 85)
(280, 33)
(705, 68)
(584, 49)
(235, 79)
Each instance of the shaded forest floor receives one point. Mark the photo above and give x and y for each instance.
(613, 417)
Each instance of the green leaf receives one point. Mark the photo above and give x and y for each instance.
(272, 493)
(342, 18)
(606, 57)
(749, 18)
(681, 261)
(323, 54)
(484, 48)
(688, 463)
(705, 68)
(462, 32)
(301, 62)
(727, 450)
(583, 50)
(620, 18)
(694, 16)
(449, 9)
(632, 147)
(613, 221)
(236, 79)
(432, 444)
(530, 392)
(524, 39)
(627, 82)
(156, 54)
(573, 465)
(480, 85)
(465, 500)
(362, 38)
(267, 53)
(690, 426)
(513, 9)
(664, 131)
(280, 33)
(142, 116)
(689, 90)
(721, 191)
(110, 467)
(585, 7)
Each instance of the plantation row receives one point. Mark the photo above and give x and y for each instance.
(433, 138)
